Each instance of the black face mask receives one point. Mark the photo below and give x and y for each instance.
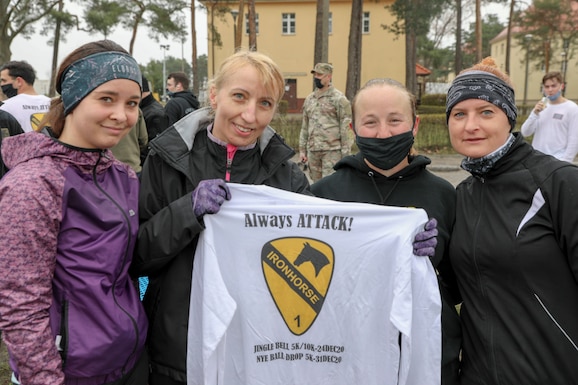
(386, 153)
(9, 90)
(318, 83)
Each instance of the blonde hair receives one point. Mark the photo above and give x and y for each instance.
(268, 70)
(385, 82)
(488, 64)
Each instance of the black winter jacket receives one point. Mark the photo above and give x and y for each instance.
(515, 252)
(179, 159)
(155, 118)
(414, 186)
(9, 126)
(180, 104)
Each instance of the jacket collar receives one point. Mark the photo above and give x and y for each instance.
(175, 143)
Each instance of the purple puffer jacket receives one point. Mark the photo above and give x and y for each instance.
(69, 313)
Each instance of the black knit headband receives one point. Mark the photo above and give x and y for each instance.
(485, 86)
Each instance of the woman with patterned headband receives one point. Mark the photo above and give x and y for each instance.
(514, 246)
(69, 311)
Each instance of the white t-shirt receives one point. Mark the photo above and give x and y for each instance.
(292, 289)
(555, 130)
(27, 109)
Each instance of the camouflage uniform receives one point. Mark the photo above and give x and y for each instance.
(325, 133)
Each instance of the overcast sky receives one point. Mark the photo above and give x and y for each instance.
(38, 53)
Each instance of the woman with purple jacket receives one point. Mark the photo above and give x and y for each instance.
(69, 312)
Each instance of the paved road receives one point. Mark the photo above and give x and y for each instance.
(448, 167)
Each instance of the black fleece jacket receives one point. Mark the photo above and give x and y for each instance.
(414, 186)
(515, 251)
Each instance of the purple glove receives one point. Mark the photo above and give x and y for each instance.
(425, 242)
(209, 196)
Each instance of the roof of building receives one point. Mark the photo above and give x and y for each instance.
(421, 70)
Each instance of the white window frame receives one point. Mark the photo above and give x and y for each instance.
(365, 18)
(288, 23)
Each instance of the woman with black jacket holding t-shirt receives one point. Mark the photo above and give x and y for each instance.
(385, 172)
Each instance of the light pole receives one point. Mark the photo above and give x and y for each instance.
(528, 39)
(234, 13)
(165, 48)
(565, 46)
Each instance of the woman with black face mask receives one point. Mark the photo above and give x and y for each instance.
(386, 171)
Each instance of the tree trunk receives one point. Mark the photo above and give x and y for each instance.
(354, 50)
(194, 63)
(509, 36)
(458, 62)
(317, 49)
(252, 27)
(136, 22)
(478, 31)
(325, 32)
(55, 48)
(239, 27)
(410, 60)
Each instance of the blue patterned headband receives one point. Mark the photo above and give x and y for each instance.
(86, 74)
(485, 86)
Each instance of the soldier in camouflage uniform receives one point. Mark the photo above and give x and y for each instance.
(325, 135)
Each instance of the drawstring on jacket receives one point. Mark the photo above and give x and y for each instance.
(382, 199)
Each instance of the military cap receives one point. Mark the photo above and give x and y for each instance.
(322, 68)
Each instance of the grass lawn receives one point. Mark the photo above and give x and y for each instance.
(4, 368)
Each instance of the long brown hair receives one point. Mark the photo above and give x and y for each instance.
(54, 118)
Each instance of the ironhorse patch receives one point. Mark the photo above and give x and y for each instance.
(298, 273)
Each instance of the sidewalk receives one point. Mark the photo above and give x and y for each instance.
(448, 167)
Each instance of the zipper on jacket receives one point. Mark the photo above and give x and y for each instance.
(556, 322)
(62, 338)
(124, 261)
(231, 150)
(494, 372)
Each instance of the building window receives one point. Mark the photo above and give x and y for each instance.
(365, 22)
(330, 23)
(247, 23)
(288, 24)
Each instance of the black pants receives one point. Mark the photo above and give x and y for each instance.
(159, 379)
(139, 375)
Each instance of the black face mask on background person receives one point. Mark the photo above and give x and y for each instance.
(386, 153)
(318, 83)
(9, 90)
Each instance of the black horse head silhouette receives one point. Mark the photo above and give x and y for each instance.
(311, 254)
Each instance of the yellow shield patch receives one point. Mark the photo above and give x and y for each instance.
(35, 120)
(298, 272)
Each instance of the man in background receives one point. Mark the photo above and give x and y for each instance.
(325, 136)
(182, 101)
(554, 121)
(154, 115)
(24, 103)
